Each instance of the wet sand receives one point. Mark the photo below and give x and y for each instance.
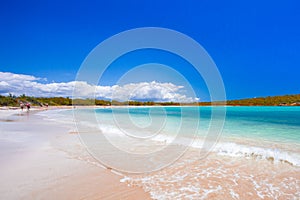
(44, 159)
(39, 159)
(220, 177)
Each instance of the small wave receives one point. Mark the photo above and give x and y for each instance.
(225, 148)
(274, 155)
(228, 149)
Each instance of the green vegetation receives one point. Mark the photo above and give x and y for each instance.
(8, 101)
(12, 100)
(286, 100)
(15, 101)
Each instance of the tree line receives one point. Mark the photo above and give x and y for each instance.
(285, 100)
(12, 100)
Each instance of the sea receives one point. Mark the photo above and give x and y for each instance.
(191, 152)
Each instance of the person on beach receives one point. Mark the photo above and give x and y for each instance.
(28, 106)
(22, 106)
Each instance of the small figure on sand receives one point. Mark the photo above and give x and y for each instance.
(28, 106)
(22, 106)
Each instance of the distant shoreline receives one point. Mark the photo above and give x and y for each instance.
(45, 102)
(36, 108)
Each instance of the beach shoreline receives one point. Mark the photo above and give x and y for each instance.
(41, 159)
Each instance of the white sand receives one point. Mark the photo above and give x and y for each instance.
(39, 159)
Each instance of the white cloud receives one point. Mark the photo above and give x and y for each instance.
(18, 84)
(7, 76)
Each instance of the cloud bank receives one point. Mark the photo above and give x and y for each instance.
(18, 84)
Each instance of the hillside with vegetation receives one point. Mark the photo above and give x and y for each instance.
(14, 101)
(286, 100)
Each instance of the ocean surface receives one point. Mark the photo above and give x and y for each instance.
(221, 152)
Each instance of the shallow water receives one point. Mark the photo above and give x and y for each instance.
(255, 156)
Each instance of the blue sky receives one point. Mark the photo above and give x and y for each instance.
(255, 44)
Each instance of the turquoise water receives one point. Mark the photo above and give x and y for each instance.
(279, 124)
(256, 155)
(266, 132)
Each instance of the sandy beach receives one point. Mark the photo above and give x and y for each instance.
(141, 100)
(42, 159)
